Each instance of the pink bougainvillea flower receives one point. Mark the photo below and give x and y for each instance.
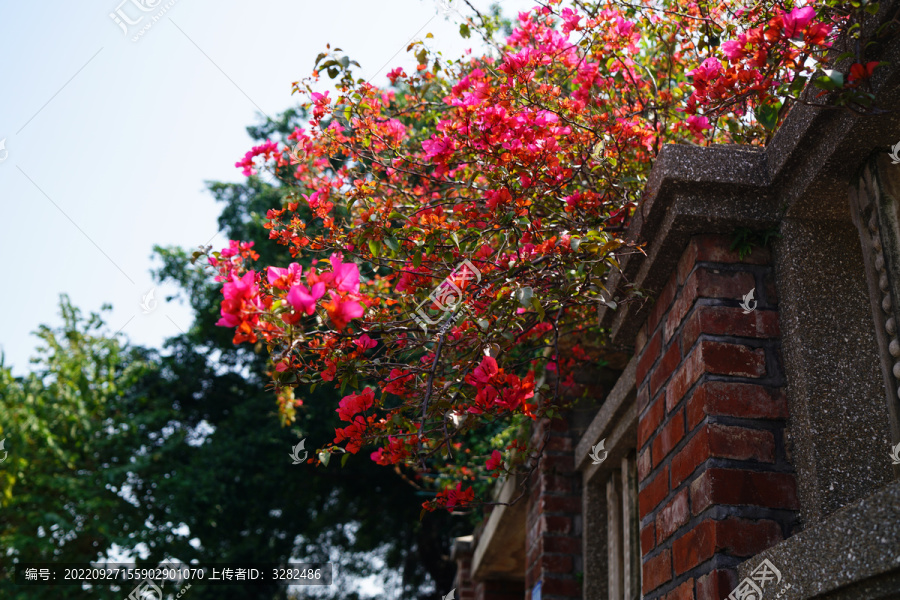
(241, 295)
(698, 124)
(797, 20)
(735, 49)
(284, 278)
(346, 275)
(495, 461)
(355, 403)
(365, 342)
(483, 372)
(341, 310)
(304, 300)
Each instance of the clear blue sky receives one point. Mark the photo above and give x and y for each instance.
(110, 141)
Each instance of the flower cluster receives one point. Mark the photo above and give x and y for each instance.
(528, 163)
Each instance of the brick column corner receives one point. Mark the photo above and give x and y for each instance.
(554, 522)
(715, 482)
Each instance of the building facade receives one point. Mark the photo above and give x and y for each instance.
(749, 436)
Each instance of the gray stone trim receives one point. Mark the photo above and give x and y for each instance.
(608, 423)
(500, 551)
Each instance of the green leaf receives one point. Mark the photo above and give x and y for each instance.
(344, 460)
(524, 295)
(325, 457)
(767, 115)
(375, 247)
(417, 259)
(537, 306)
(464, 30)
(392, 243)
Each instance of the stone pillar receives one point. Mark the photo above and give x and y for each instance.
(553, 523)
(715, 482)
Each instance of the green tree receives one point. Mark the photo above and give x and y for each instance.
(69, 428)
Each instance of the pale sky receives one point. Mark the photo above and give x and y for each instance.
(108, 141)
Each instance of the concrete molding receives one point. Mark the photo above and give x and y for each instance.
(500, 551)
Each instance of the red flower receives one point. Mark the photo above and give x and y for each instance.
(495, 461)
(355, 403)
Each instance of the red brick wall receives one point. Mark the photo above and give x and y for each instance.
(553, 523)
(715, 483)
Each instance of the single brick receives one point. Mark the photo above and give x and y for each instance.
(654, 492)
(644, 466)
(648, 538)
(657, 571)
(665, 367)
(668, 437)
(717, 248)
(650, 420)
(560, 587)
(740, 443)
(726, 320)
(733, 359)
(694, 547)
(716, 585)
(694, 454)
(685, 591)
(649, 356)
(739, 487)
(643, 397)
(675, 514)
(744, 537)
(747, 400)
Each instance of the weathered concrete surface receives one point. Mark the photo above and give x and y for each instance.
(854, 555)
(839, 423)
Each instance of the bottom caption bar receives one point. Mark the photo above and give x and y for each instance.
(173, 575)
